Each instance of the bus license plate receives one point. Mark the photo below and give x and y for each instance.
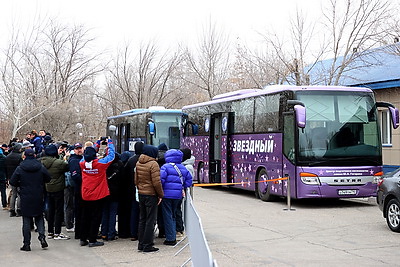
(347, 192)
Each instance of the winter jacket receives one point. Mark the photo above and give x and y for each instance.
(147, 176)
(57, 168)
(94, 180)
(30, 177)
(2, 168)
(37, 142)
(12, 162)
(114, 173)
(171, 182)
(189, 163)
(75, 170)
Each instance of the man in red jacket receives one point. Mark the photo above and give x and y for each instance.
(94, 190)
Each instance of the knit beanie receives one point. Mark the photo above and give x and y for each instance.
(51, 151)
(89, 154)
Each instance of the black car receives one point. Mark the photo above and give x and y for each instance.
(388, 199)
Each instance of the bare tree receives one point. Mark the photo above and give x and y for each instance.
(208, 66)
(355, 28)
(144, 81)
(41, 74)
(290, 56)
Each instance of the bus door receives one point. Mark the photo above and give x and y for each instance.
(124, 135)
(219, 147)
(289, 152)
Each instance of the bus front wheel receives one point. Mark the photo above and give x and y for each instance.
(263, 188)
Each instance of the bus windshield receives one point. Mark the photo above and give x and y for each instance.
(341, 129)
(167, 129)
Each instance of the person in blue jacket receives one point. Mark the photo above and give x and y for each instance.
(175, 178)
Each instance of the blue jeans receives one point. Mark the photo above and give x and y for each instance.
(169, 207)
(134, 221)
(109, 219)
(179, 217)
(3, 193)
(26, 227)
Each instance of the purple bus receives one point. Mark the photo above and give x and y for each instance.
(326, 140)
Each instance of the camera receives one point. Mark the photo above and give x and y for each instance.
(103, 140)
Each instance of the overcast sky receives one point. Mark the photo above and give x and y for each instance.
(166, 21)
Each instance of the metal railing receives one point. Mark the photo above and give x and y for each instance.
(199, 250)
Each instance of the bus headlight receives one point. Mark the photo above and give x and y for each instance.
(309, 178)
(377, 178)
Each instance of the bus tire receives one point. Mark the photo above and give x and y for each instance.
(392, 215)
(264, 194)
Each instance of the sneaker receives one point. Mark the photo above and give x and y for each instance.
(170, 243)
(61, 237)
(50, 236)
(70, 230)
(83, 243)
(13, 213)
(180, 234)
(96, 244)
(43, 242)
(25, 248)
(150, 249)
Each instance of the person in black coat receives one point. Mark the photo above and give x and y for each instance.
(76, 177)
(110, 209)
(31, 176)
(128, 218)
(12, 162)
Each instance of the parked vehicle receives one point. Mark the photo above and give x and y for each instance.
(388, 199)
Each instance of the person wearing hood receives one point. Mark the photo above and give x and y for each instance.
(30, 176)
(55, 191)
(128, 209)
(188, 161)
(147, 180)
(162, 148)
(174, 178)
(12, 162)
(94, 190)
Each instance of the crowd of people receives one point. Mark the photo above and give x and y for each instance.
(96, 193)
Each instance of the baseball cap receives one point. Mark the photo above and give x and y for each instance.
(78, 145)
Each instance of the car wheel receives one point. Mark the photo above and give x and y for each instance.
(393, 215)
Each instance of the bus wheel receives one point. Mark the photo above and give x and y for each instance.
(200, 173)
(263, 188)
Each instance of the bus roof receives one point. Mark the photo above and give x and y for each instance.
(272, 89)
(154, 110)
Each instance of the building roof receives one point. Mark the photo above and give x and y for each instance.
(376, 69)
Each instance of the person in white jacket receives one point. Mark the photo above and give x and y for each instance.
(187, 161)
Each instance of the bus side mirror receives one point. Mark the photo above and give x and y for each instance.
(195, 129)
(394, 112)
(300, 112)
(152, 128)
